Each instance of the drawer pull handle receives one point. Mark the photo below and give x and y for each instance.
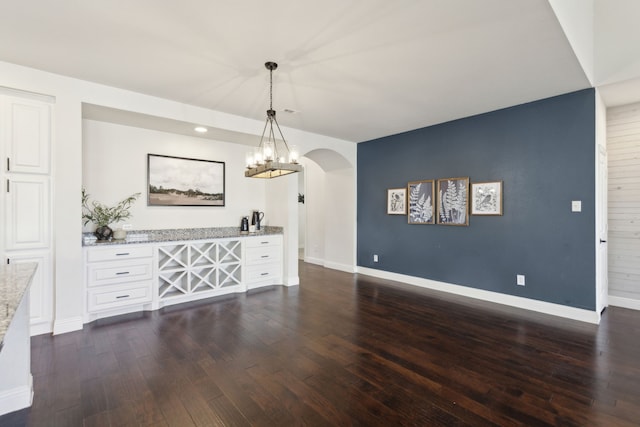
(122, 296)
(264, 256)
(263, 243)
(123, 254)
(120, 273)
(264, 274)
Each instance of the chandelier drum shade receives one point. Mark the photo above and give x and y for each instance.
(267, 161)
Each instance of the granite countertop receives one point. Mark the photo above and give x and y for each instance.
(14, 282)
(178, 234)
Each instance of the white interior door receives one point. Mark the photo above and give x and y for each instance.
(602, 285)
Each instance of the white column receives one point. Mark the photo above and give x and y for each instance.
(282, 210)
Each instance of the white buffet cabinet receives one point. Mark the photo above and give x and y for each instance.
(129, 277)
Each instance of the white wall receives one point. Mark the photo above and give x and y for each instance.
(314, 200)
(623, 146)
(115, 166)
(617, 42)
(339, 251)
(577, 18)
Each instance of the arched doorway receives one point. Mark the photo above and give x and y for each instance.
(329, 210)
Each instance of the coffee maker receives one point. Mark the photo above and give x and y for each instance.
(244, 224)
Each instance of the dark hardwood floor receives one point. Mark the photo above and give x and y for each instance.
(339, 350)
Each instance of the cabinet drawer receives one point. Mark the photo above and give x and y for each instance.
(263, 272)
(116, 253)
(119, 296)
(263, 254)
(118, 272)
(261, 241)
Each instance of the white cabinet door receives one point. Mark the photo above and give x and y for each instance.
(25, 204)
(27, 212)
(41, 307)
(28, 133)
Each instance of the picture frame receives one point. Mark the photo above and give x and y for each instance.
(397, 201)
(181, 181)
(421, 202)
(453, 201)
(486, 198)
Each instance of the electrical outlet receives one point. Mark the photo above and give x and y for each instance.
(576, 206)
(126, 226)
(375, 258)
(520, 279)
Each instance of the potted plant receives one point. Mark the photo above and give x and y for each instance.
(102, 216)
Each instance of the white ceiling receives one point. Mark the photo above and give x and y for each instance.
(354, 70)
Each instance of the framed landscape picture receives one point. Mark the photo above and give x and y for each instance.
(421, 202)
(453, 201)
(486, 198)
(178, 181)
(397, 201)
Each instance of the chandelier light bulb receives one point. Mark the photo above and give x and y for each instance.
(293, 154)
(268, 151)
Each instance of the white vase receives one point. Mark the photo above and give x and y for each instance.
(120, 234)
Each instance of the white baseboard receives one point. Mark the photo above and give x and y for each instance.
(312, 260)
(62, 326)
(40, 328)
(623, 302)
(16, 398)
(341, 267)
(504, 299)
(332, 265)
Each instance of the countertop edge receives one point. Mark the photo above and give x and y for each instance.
(179, 234)
(15, 280)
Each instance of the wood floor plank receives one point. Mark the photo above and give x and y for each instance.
(340, 349)
(227, 412)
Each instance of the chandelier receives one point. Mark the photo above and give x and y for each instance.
(266, 161)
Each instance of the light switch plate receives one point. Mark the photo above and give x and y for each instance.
(576, 206)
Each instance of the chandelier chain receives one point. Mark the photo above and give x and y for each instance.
(271, 89)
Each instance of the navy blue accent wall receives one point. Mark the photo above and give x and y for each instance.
(544, 152)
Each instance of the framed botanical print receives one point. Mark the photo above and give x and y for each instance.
(453, 201)
(397, 201)
(486, 198)
(421, 200)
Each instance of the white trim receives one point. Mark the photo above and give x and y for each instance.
(341, 267)
(196, 296)
(312, 260)
(16, 398)
(332, 265)
(292, 281)
(623, 302)
(39, 328)
(34, 96)
(92, 317)
(67, 325)
(510, 300)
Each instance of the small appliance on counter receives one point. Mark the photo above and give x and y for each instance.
(244, 224)
(256, 217)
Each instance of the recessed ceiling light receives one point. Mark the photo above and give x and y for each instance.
(201, 129)
(290, 111)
